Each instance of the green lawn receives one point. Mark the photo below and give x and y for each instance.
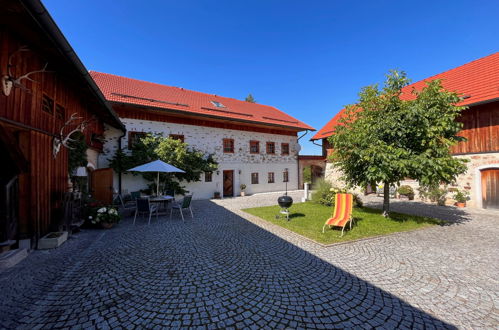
(308, 218)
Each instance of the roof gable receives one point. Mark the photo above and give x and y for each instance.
(142, 93)
(476, 81)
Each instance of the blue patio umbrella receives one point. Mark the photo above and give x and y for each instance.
(156, 166)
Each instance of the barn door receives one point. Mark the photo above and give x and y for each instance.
(102, 185)
(490, 189)
(228, 183)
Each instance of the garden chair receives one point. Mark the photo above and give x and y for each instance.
(144, 206)
(342, 214)
(120, 203)
(184, 204)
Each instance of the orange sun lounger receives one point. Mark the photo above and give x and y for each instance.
(342, 212)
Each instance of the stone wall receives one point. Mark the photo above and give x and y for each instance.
(470, 181)
(209, 140)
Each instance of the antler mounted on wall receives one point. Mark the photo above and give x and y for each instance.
(9, 80)
(64, 139)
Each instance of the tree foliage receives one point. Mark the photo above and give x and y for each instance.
(250, 98)
(171, 151)
(384, 138)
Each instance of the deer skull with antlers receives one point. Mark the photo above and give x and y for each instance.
(64, 139)
(9, 81)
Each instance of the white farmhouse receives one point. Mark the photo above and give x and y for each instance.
(254, 144)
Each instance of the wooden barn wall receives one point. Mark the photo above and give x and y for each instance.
(138, 113)
(41, 189)
(481, 129)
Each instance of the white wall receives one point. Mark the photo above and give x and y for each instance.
(209, 140)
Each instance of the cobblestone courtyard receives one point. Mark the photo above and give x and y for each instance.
(226, 268)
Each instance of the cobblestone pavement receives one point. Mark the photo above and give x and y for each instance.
(228, 269)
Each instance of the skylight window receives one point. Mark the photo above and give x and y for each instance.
(218, 104)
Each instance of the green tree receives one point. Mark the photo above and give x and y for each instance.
(250, 98)
(384, 138)
(171, 151)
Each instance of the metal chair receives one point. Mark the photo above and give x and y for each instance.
(185, 204)
(145, 206)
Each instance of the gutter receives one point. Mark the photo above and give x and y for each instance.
(40, 14)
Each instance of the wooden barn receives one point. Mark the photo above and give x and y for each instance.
(478, 83)
(46, 93)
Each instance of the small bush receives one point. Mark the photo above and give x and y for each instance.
(433, 193)
(406, 191)
(325, 194)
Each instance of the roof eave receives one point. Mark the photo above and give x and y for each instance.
(294, 128)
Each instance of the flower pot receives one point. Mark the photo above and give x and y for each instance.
(243, 193)
(107, 225)
(458, 204)
(216, 195)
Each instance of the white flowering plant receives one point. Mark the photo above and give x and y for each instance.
(105, 214)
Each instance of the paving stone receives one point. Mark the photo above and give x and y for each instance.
(226, 268)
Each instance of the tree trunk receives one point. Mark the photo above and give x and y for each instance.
(386, 199)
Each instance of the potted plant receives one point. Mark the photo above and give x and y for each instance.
(243, 187)
(216, 195)
(461, 197)
(106, 216)
(406, 191)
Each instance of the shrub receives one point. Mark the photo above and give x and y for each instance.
(324, 193)
(434, 193)
(406, 191)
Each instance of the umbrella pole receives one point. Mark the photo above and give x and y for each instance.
(157, 186)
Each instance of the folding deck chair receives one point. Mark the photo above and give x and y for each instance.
(342, 214)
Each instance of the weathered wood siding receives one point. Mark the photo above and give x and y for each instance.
(481, 129)
(41, 189)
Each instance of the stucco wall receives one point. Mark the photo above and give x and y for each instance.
(209, 140)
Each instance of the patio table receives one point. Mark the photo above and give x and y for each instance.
(161, 200)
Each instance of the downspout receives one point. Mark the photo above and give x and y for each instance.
(298, 159)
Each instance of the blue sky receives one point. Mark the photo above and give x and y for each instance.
(307, 58)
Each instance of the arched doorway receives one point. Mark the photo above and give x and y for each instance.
(490, 188)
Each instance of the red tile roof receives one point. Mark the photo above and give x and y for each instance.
(142, 93)
(477, 81)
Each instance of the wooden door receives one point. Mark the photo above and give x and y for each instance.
(228, 177)
(490, 189)
(102, 185)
